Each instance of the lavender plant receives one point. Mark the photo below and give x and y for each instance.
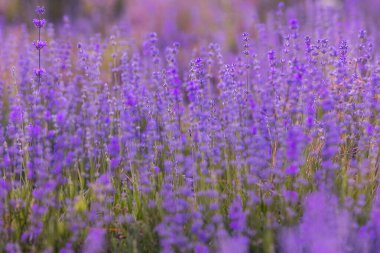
(39, 23)
(122, 147)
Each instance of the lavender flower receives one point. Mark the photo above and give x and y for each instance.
(237, 217)
(39, 72)
(95, 241)
(40, 10)
(39, 23)
(39, 44)
(234, 244)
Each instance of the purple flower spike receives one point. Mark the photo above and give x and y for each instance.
(39, 23)
(39, 44)
(39, 72)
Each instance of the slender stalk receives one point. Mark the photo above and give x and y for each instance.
(39, 55)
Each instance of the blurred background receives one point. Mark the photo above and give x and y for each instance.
(148, 15)
(187, 21)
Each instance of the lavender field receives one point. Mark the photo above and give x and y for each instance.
(190, 126)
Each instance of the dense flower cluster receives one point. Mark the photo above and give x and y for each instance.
(128, 148)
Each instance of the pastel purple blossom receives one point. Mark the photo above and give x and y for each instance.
(39, 23)
(292, 170)
(39, 44)
(234, 244)
(293, 24)
(95, 241)
(40, 10)
(39, 72)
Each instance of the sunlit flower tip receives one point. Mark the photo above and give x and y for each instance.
(40, 10)
(39, 23)
(39, 44)
(39, 72)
